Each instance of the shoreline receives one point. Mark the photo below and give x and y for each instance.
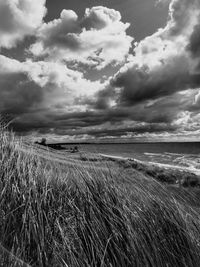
(154, 164)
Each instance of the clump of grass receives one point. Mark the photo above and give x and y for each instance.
(53, 214)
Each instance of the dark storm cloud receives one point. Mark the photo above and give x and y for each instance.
(162, 112)
(47, 119)
(18, 94)
(194, 44)
(163, 109)
(147, 118)
(139, 84)
(87, 126)
(139, 129)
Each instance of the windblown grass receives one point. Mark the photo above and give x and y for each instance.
(54, 214)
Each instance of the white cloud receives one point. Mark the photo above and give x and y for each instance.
(172, 40)
(9, 65)
(19, 18)
(148, 89)
(60, 81)
(97, 39)
(162, 63)
(52, 84)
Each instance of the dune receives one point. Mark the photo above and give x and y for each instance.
(61, 209)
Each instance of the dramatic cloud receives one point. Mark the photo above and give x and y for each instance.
(155, 90)
(122, 131)
(51, 85)
(149, 117)
(97, 39)
(18, 94)
(55, 76)
(162, 63)
(19, 18)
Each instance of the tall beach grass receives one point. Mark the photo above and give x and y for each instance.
(55, 214)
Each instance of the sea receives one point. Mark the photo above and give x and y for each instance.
(179, 154)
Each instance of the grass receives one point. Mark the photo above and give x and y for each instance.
(57, 212)
(164, 175)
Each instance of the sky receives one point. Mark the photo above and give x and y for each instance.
(101, 70)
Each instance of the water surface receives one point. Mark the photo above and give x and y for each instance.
(176, 154)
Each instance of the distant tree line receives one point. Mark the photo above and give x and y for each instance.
(43, 142)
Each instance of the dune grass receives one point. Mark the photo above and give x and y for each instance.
(54, 214)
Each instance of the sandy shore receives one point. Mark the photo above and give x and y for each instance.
(150, 163)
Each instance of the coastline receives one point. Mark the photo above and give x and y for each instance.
(153, 164)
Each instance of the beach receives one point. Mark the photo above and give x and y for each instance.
(151, 163)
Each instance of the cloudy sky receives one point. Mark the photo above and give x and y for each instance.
(101, 69)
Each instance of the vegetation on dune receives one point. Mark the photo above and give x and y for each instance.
(169, 176)
(53, 214)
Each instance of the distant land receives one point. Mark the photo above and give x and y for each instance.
(115, 143)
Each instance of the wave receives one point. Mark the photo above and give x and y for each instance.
(193, 162)
(192, 168)
(190, 161)
(154, 154)
(173, 154)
